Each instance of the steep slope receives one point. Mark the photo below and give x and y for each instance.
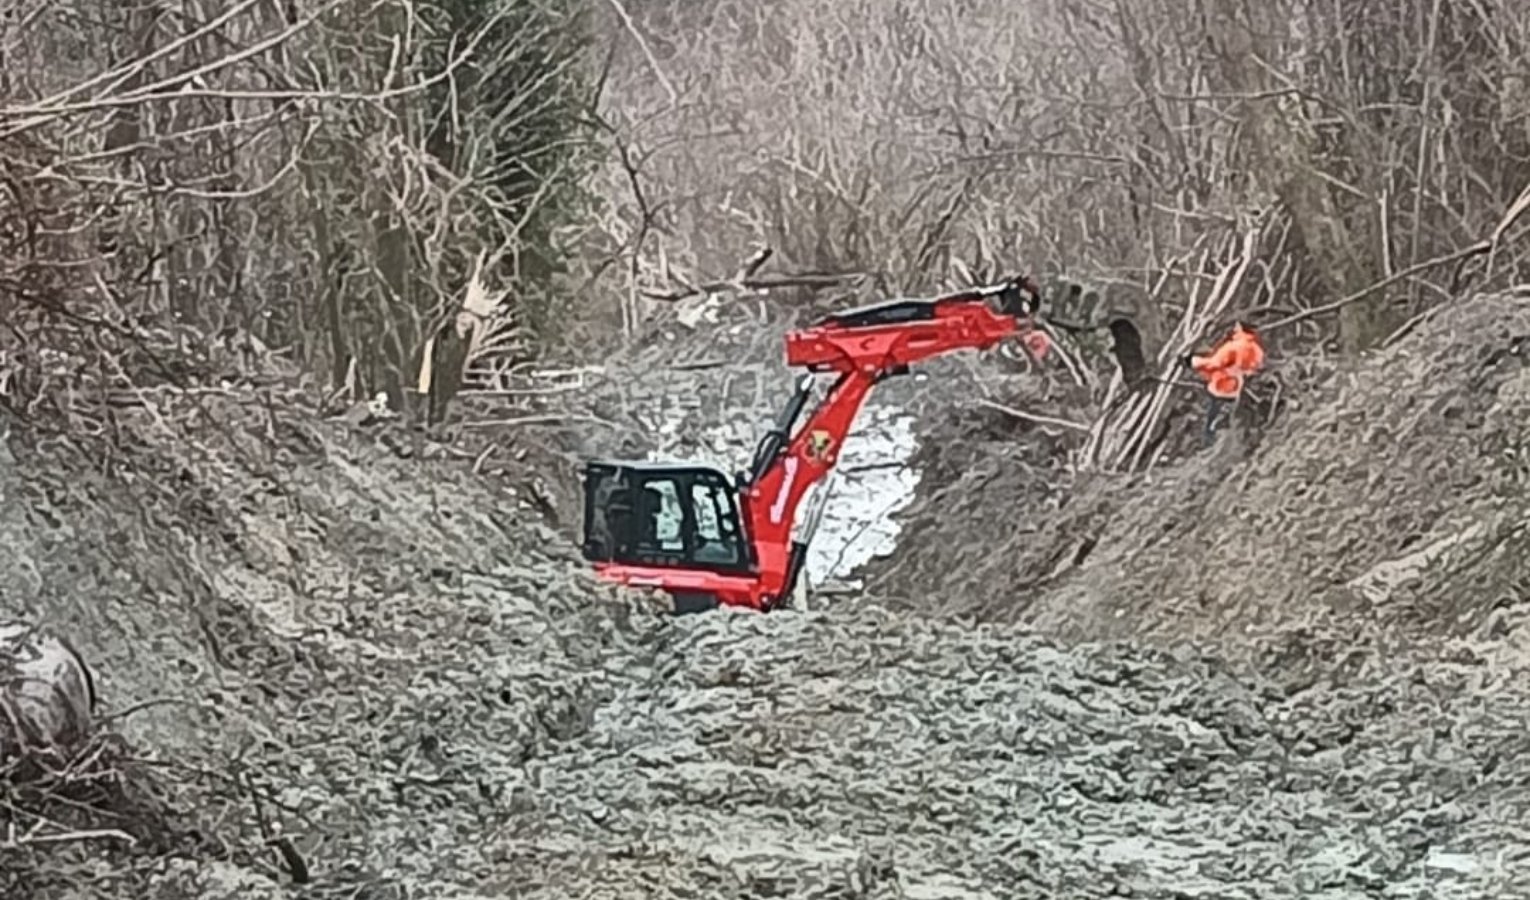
(297, 621)
(1393, 499)
(432, 701)
(344, 634)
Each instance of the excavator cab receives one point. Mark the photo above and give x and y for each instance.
(663, 515)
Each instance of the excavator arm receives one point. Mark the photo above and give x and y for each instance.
(741, 542)
(861, 347)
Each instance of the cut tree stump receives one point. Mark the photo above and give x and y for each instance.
(47, 693)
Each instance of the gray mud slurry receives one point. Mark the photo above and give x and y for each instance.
(822, 755)
(441, 703)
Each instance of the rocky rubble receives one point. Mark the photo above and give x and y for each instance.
(346, 638)
(1388, 501)
(865, 755)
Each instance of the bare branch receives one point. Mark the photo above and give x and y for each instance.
(762, 283)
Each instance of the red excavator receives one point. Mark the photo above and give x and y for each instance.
(707, 540)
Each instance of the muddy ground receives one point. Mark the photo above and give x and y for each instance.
(351, 636)
(1392, 499)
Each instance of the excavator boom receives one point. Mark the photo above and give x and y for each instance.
(894, 335)
(736, 546)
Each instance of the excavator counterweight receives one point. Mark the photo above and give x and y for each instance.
(706, 539)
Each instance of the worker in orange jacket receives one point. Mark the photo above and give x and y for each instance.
(1224, 371)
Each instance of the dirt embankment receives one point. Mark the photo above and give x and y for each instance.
(296, 622)
(402, 665)
(1392, 500)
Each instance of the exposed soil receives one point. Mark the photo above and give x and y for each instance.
(1389, 499)
(347, 632)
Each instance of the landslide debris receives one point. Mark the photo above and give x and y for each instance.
(862, 754)
(341, 635)
(1390, 499)
(297, 622)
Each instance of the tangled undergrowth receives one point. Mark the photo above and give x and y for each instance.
(100, 810)
(1386, 499)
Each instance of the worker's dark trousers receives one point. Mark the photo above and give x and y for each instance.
(1214, 408)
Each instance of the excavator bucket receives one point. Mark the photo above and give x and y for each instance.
(890, 312)
(1014, 298)
(1126, 347)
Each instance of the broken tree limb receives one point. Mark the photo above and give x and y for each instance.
(752, 265)
(761, 283)
(1034, 418)
(1476, 249)
(34, 836)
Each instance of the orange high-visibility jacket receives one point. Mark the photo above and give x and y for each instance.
(1225, 367)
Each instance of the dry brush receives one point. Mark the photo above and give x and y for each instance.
(323, 186)
(1377, 151)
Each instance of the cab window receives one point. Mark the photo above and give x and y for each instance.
(661, 521)
(717, 533)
